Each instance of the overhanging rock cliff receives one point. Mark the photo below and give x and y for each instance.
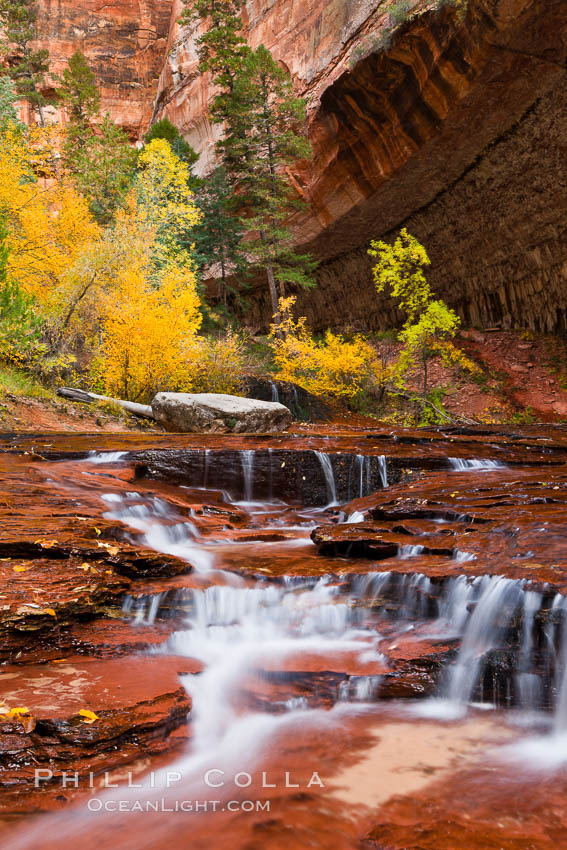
(452, 124)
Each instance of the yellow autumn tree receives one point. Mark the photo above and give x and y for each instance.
(49, 222)
(165, 202)
(150, 335)
(430, 324)
(333, 366)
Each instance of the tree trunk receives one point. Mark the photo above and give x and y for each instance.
(273, 296)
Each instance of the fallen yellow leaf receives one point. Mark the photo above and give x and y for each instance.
(88, 716)
(46, 544)
(51, 612)
(18, 712)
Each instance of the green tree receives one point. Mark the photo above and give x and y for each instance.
(27, 67)
(430, 323)
(97, 152)
(222, 48)
(8, 100)
(103, 167)
(79, 91)
(164, 129)
(265, 135)
(218, 237)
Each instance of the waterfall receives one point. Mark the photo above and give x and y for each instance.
(178, 539)
(405, 552)
(235, 631)
(461, 557)
(560, 719)
(327, 468)
(529, 684)
(454, 608)
(206, 467)
(497, 602)
(105, 457)
(460, 464)
(383, 470)
(355, 517)
(143, 610)
(364, 467)
(275, 392)
(361, 464)
(247, 460)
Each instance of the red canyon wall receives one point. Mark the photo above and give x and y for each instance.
(457, 131)
(125, 42)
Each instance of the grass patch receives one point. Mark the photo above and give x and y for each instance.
(18, 382)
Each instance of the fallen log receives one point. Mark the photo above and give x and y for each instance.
(142, 410)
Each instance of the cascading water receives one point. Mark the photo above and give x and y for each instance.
(105, 457)
(247, 460)
(362, 475)
(383, 470)
(178, 539)
(329, 475)
(409, 551)
(528, 683)
(497, 603)
(461, 464)
(329, 638)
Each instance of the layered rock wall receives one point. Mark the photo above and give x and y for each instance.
(125, 42)
(452, 124)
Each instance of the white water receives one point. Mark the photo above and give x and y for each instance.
(179, 539)
(105, 457)
(461, 464)
(497, 603)
(355, 517)
(237, 631)
(247, 460)
(327, 468)
(410, 551)
(383, 470)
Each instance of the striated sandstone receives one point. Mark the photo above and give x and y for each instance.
(455, 132)
(125, 43)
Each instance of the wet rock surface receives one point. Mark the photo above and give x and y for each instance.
(298, 576)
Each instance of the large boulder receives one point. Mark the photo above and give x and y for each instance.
(215, 412)
(302, 404)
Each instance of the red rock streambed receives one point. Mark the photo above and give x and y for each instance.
(329, 640)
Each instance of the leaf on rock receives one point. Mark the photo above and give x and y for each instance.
(88, 716)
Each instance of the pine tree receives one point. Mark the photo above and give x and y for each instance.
(103, 168)
(218, 237)
(27, 67)
(97, 153)
(265, 136)
(79, 91)
(8, 99)
(263, 123)
(222, 48)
